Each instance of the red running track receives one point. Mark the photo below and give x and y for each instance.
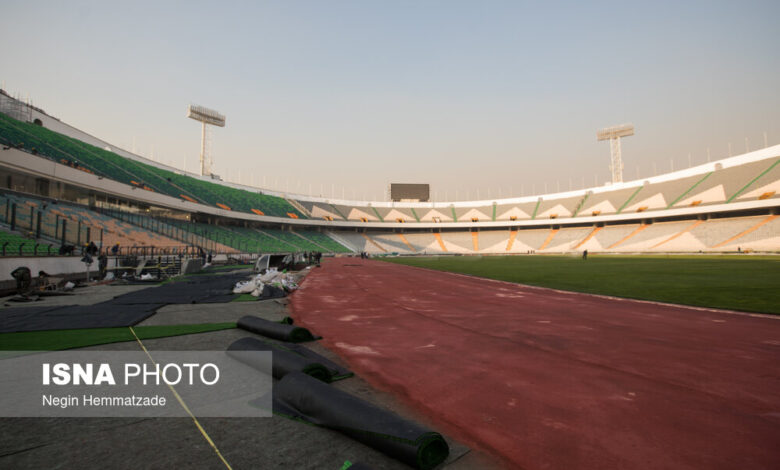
(548, 379)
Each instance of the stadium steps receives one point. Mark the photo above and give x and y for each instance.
(679, 198)
(183, 232)
(329, 242)
(580, 205)
(370, 240)
(441, 242)
(590, 235)
(744, 188)
(475, 241)
(549, 239)
(379, 216)
(414, 213)
(337, 211)
(312, 242)
(289, 238)
(628, 237)
(680, 233)
(630, 198)
(298, 206)
(282, 242)
(746, 232)
(511, 241)
(406, 242)
(340, 240)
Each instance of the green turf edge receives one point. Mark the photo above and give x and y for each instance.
(56, 340)
(245, 298)
(731, 282)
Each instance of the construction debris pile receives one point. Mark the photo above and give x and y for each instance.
(273, 278)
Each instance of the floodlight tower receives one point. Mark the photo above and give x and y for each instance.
(205, 116)
(613, 134)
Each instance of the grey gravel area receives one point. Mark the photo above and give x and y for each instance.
(163, 443)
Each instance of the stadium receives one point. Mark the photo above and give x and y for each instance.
(632, 324)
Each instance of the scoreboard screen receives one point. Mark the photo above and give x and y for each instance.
(410, 192)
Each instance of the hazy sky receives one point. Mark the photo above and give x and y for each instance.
(479, 95)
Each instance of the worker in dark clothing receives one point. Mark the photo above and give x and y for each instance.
(92, 249)
(102, 265)
(23, 279)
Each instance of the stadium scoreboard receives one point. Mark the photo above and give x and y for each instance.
(404, 192)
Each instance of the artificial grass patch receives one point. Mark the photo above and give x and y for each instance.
(747, 283)
(245, 298)
(55, 340)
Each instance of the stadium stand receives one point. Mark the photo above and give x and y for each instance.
(651, 236)
(298, 242)
(515, 211)
(13, 244)
(493, 241)
(77, 154)
(393, 243)
(557, 208)
(458, 242)
(393, 214)
(79, 224)
(567, 239)
(749, 181)
(468, 214)
(761, 235)
(362, 242)
(607, 237)
(324, 242)
(423, 243)
(321, 211)
(434, 214)
(627, 211)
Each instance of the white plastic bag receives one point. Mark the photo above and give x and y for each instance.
(244, 287)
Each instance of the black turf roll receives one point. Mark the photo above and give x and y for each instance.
(299, 396)
(283, 363)
(282, 332)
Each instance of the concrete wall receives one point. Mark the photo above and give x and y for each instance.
(54, 265)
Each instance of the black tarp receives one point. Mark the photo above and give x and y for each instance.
(124, 310)
(300, 397)
(282, 332)
(102, 315)
(189, 290)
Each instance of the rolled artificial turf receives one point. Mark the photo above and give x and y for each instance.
(282, 332)
(300, 397)
(284, 361)
(287, 357)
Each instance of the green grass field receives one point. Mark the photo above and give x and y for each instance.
(55, 340)
(747, 283)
